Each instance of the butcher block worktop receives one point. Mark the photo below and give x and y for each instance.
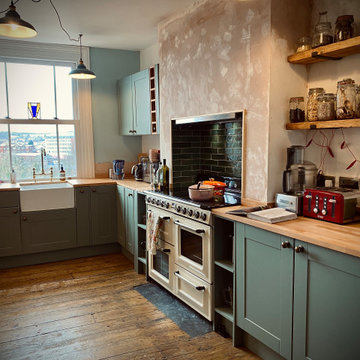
(342, 238)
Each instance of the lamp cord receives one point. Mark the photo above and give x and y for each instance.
(57, 14)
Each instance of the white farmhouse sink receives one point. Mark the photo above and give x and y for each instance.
(46, 196)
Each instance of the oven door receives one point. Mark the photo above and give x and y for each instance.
(166, 229)
(193, 291)
(161, 265)
(193, 247)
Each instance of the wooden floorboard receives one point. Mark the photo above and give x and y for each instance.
(87, 309)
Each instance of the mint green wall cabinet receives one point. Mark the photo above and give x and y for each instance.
(134, 104)
(10, 235)
(96, 215)
(48, 230)
(264, 268)
(326, 304)
(103, 214)
(130, 220)
(120, 204)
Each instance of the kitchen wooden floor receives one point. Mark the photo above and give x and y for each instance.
(87, 309)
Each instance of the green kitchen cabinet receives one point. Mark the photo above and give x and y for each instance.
(130, 221)
(48, 230)
(121, 222)
(264, 268)
(96, 215)
(134, 104)
(326, 304)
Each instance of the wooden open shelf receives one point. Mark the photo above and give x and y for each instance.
(330, 124)
(336, 50)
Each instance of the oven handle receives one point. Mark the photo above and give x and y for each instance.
(198, 288)
(165, 218)
(198, 231)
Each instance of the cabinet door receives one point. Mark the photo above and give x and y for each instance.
(130, 220)
(326, 304)
(10, 236)
(264, 280)
(121, 215)
(82, 203)
(103, 214)
(141, 103)
(125, 103)
(48, 230)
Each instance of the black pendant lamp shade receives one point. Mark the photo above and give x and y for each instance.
(11, 25)
(81, 72)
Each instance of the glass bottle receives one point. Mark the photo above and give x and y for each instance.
(13, 177)
(297, 109)
(344, 28)
(312, 103)
(357, 102)
(322, 34)
(159, 177)
(303, 44)
(326, 107)
(345, 99)
(164, 185)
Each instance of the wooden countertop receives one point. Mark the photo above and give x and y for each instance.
(342, 238)
(9, 187)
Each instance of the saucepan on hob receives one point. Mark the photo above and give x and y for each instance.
(201, 192)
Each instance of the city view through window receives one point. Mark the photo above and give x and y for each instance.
(21, 137)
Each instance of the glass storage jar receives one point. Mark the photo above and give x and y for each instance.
(326, 107)
(357, 102)
(345, 99)
(297, 109)
(303, 44)
(312, 103)
(323, 34)
(344, 28)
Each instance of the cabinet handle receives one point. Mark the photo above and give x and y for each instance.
(24, 218)
(134, 131)
(93, 190)
(130, 194)
(285, 244)
(130, 131)
(82, 191)
(299, 249)
(15, 211)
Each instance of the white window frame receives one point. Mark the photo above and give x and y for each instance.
(82, 95)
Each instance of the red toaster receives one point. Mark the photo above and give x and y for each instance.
(337, 205)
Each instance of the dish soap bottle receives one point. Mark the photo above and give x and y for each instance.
(13, 177)
(62, 173)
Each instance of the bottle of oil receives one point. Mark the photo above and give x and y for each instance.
(62, 174)
(164, 178)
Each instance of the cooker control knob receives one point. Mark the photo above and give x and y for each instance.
(184, 211)
(323, 212)
(167, 205)
(190, 212)
(148, 200)
(316, 210)
(203, 217)
(153, 201)
(157, 202)
(197, 214)
(162, 203)
(178, 208)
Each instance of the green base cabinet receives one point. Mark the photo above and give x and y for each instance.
(48, 230)
(326, 305)
(121, 223)
(264, 287)
(300, 300)
(10, 238)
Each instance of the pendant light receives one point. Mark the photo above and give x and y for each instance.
(11, 25)
(81, 72)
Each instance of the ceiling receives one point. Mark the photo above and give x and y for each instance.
(113, 24)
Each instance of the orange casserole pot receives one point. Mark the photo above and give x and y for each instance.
(219, 186)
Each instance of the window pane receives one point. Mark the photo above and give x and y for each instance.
(30, 83)
(26, 144)
(64, 95)
(4, 153)
(67, 149)
(3, 109)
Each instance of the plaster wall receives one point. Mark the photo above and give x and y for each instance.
(215, 58)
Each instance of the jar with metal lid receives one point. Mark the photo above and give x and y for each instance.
(297, 109)
(326, 107)
(345, 99)
(322, 34)
(357, 102)
(344, 28)
(312, 103)
(303, 44)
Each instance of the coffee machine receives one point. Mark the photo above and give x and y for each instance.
(299, 174)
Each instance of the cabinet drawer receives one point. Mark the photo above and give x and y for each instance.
(9, 199)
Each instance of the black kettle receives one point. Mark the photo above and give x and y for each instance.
(137, 171)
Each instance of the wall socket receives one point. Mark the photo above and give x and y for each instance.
(350, 183)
